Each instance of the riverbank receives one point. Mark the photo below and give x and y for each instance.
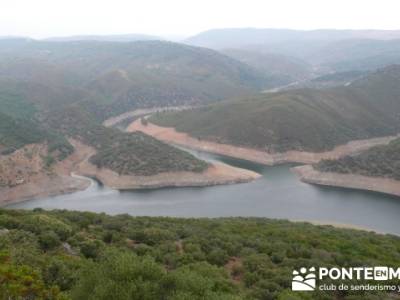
(215, 174)
(39, 181)
(170, 135)
(26, 176)
(376, 184)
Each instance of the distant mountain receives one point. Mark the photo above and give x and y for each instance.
(304, 119)
(242, 37)
(357, 54)
(326, 50)
(105, 38)
(279, 69)
(123, 76)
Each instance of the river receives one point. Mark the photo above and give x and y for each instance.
(277, 194)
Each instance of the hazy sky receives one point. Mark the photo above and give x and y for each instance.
(43, 18)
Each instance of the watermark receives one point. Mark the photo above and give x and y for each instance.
(305, 279)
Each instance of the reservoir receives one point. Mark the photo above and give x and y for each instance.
(277, 194)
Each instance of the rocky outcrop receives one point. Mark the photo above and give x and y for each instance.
(383, 185)
(170, 135)
(24, 175)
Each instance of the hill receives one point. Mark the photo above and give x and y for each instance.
(19, 127)
(105, 38)
(125, 76)
(326, 51)
(36, 111)
(279, 69)
(81, 255)
(242, 37)
(124, 153)
(357, 54)
(380, 161)
(304, 119)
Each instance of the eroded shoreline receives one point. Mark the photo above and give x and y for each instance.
(170, 135)
(375, 184)
(63, 179)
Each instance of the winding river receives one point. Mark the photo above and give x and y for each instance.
(277, 194)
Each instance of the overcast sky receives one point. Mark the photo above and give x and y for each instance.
(43, 18)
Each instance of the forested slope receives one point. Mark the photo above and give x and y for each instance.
(304, 119)
(380, 161)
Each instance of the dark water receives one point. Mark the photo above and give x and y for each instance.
(278, 194)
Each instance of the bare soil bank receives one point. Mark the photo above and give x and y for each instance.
(35, 180)
(383, 185)
(25, 176)
(216, 174)
(170, 135)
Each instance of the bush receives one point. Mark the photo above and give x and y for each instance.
(49, 240)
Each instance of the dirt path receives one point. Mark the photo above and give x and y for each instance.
(170, 135)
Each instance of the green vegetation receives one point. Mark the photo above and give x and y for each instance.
(113, 77)
(380, 161)
(124, 153)
(19, 127)
(304, 119)
(279, 69)
(78, 255)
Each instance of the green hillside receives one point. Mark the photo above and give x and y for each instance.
(357, 54)
(305, 119)
(78, 255)
(124, 153)
(123, 76)
(380, 161)
(31, 112)
(279, 69)
(19, 127)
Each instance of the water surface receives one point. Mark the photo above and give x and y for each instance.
(277, 194)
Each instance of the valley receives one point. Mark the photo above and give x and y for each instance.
(211, 167)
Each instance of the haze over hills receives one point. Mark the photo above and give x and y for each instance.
(129, 75)
(241, 37)
(106, 38)
(279, 69)
(53, 91)
(326, 51)
(304, 119)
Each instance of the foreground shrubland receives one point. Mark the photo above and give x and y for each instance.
(80, 255)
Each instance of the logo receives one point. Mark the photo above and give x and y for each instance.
(305, 280)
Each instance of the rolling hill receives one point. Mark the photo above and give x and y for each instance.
(304, 119)
(279, 69)
(124, 76)
(326, 51)
(53, 90)
(357, 54)
(105, 38)
(124, 153)
(242, 37)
